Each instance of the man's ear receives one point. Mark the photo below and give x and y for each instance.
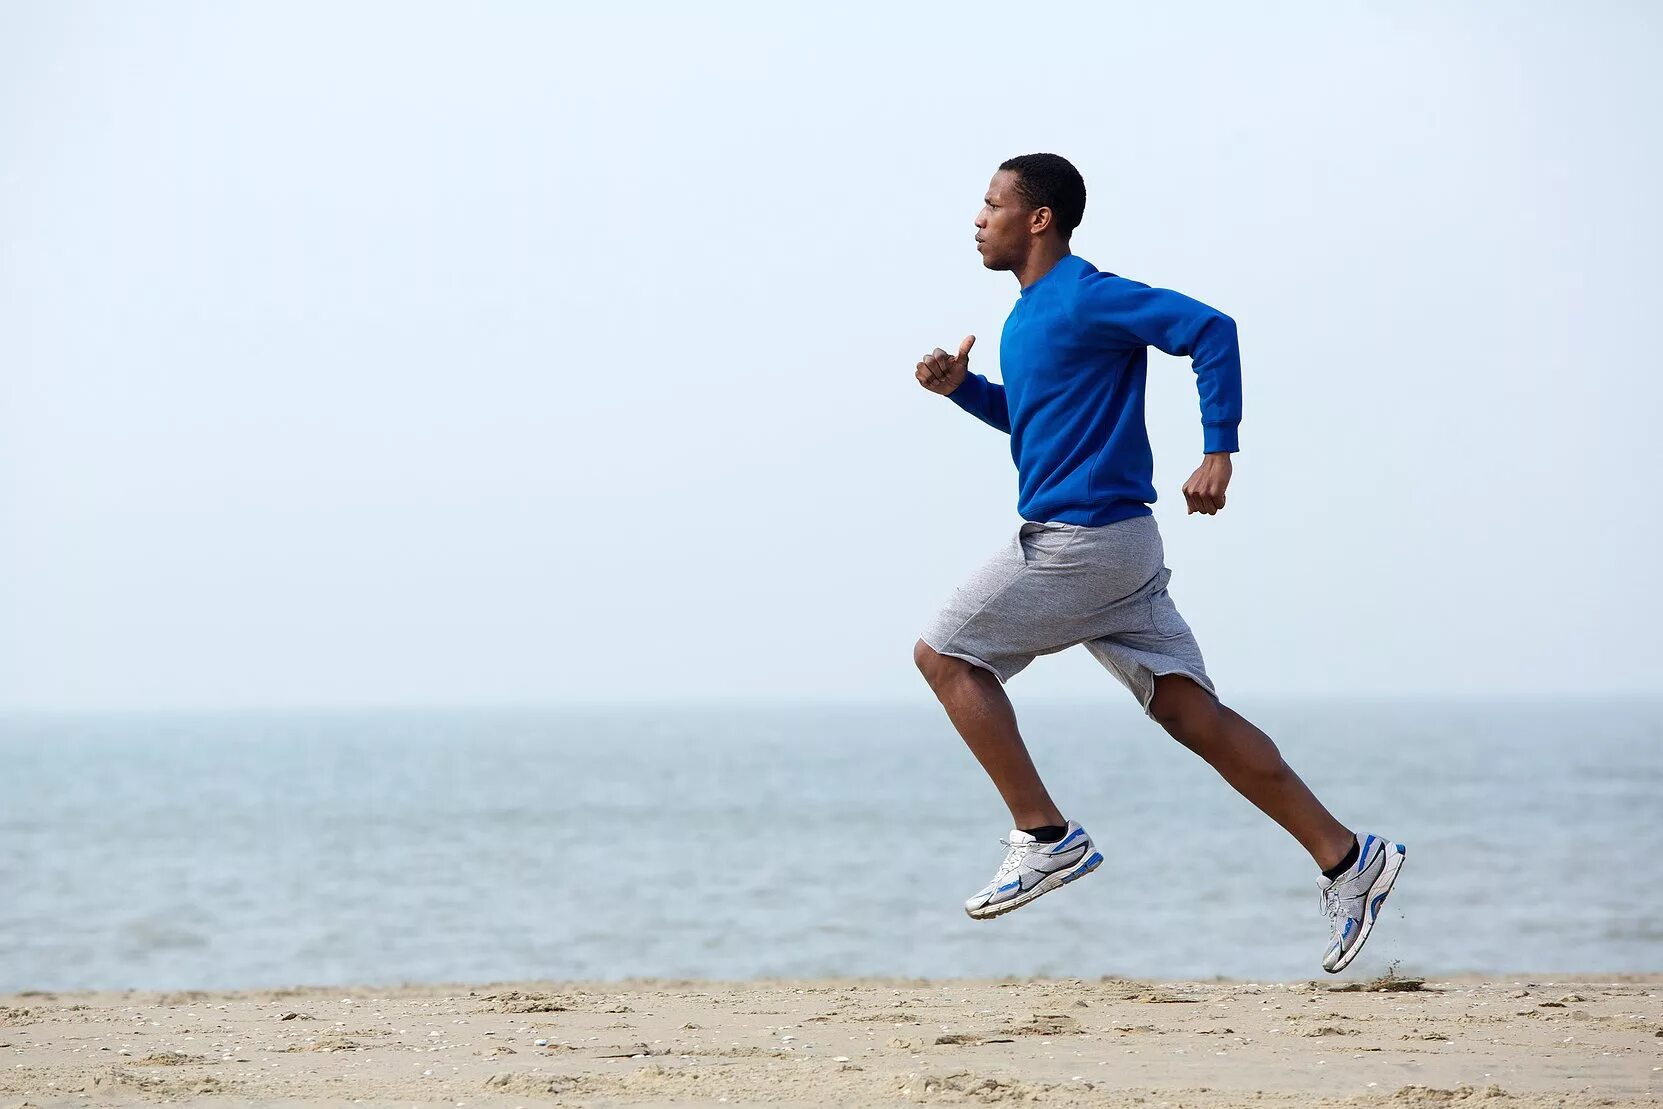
(1041, 220)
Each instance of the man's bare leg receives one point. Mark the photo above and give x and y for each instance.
(1249, 761)
(977, 705)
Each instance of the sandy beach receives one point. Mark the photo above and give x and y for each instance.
(1503, 1042)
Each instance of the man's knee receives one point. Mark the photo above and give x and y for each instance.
(1185, 709)
(936, 667)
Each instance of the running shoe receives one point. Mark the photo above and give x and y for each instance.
(1352, 901)
(1032, 869)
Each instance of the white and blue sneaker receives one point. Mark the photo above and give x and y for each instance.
(1352, 901)
(1032, 869)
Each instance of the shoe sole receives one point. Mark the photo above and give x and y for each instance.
(1051, 882)
(1395, 854)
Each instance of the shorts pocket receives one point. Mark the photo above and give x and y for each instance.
(1163, 614)
(1040, 543)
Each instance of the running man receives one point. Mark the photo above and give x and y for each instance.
(1087, 565)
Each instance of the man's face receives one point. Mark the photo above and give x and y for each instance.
(1004, 225)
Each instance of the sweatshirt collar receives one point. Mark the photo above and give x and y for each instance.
(1071, 262)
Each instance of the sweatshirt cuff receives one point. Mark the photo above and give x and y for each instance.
(969, 394)
(1217, 438)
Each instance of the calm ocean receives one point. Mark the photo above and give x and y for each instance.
(233, 850)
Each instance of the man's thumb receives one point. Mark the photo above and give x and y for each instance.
(964, 347)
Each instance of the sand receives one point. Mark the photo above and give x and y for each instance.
(1462, 1042)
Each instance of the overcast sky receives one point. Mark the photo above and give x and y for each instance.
(364, 354)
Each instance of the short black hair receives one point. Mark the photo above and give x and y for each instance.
(1051, 181)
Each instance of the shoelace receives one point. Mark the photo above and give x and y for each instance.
(1331, 908)
(1014, 853)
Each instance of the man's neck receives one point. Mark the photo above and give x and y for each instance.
(1040, 261)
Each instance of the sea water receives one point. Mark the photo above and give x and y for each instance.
(737, 841)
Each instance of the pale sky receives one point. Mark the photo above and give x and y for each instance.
(375, 354)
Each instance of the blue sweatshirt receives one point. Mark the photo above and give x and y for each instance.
(1074, 355)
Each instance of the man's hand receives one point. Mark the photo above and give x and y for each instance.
(940, 372)
(1205, 489)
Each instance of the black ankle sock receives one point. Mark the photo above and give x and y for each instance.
(1344, 864)
(1051, 833)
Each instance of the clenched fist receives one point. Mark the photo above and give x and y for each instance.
(940, 372)
(1204, 491)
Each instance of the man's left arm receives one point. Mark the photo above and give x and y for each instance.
(1131, 313)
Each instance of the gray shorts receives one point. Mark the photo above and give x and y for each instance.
(1055, 585)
